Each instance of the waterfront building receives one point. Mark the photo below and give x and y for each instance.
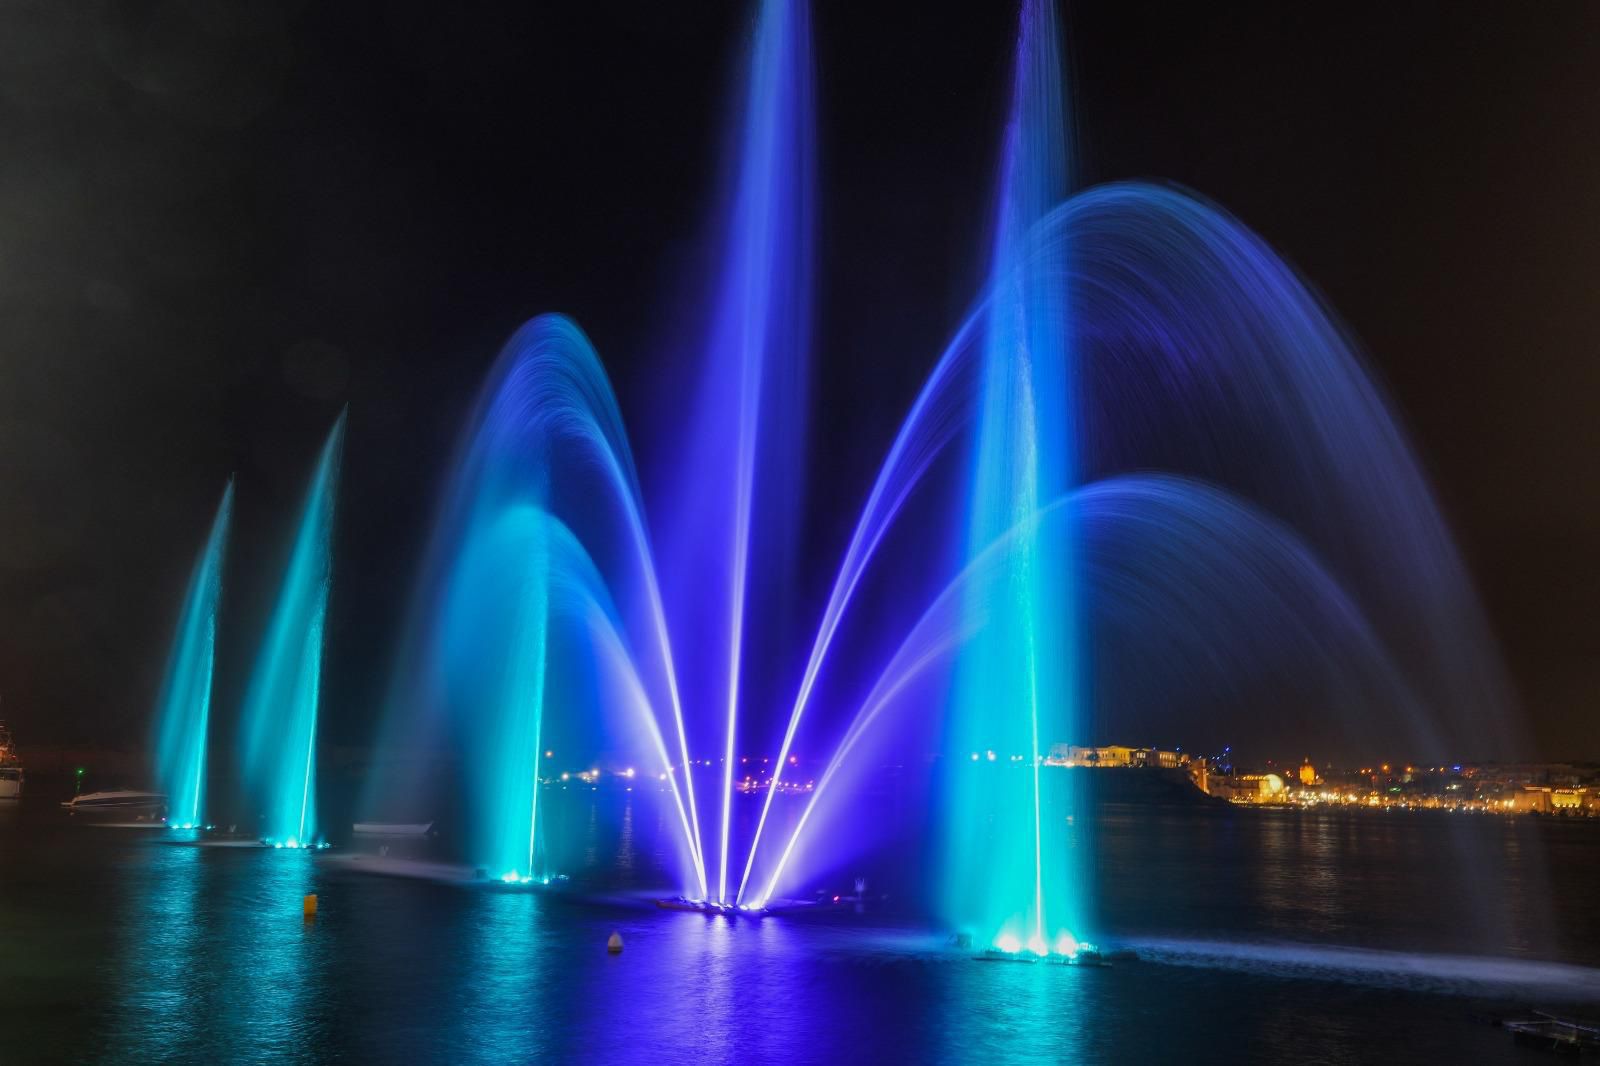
(1249, 788)
(1543, 799)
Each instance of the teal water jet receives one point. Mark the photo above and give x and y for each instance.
(280, 711)
(495, 625)
(1008, 874)
(183, 710)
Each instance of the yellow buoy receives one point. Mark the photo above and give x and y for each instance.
(310, 904)
(614, 944)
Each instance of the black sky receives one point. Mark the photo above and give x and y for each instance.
(220, 222)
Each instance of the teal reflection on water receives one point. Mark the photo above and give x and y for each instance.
(215, 960)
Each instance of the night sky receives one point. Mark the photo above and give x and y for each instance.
(220, 222)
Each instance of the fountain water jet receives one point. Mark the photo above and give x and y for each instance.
(736, 482)
(183, 710)
(280, 710)
(1023, 668)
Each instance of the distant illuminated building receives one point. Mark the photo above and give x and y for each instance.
(1249, 788)
(1542, 799)
(1114, 755)
(1308, 773)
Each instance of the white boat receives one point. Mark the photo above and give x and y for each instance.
(118, 800)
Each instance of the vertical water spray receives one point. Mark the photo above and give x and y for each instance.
(1017, 680)
(183, 710)
(280, 711)
(740, 476)
(493, 640)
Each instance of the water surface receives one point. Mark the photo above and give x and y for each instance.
(1267, 935)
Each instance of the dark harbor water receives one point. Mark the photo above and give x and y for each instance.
(1265, 935)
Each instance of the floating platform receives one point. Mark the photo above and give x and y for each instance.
(438, 872)
(1086, 957)
(392, 829)
(705, 906)
(96, 824)
(243, 842)
(771, 908)
(1089, 957)
(414, 869)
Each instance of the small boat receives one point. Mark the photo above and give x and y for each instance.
(116, 800)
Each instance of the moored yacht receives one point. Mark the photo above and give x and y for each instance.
(119, 800)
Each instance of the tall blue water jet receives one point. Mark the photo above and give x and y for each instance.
(1007, 877)
(736, 487)
(183, 710)
(281, 706)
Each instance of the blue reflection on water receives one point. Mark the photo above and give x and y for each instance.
(150, 951)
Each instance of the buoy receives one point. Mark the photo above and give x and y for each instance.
(310, 905)
(614, 944)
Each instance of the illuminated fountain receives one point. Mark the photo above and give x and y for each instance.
(183, 710)
(281, 706)
(1148, 471)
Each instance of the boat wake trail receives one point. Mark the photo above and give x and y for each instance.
(1398, 969)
